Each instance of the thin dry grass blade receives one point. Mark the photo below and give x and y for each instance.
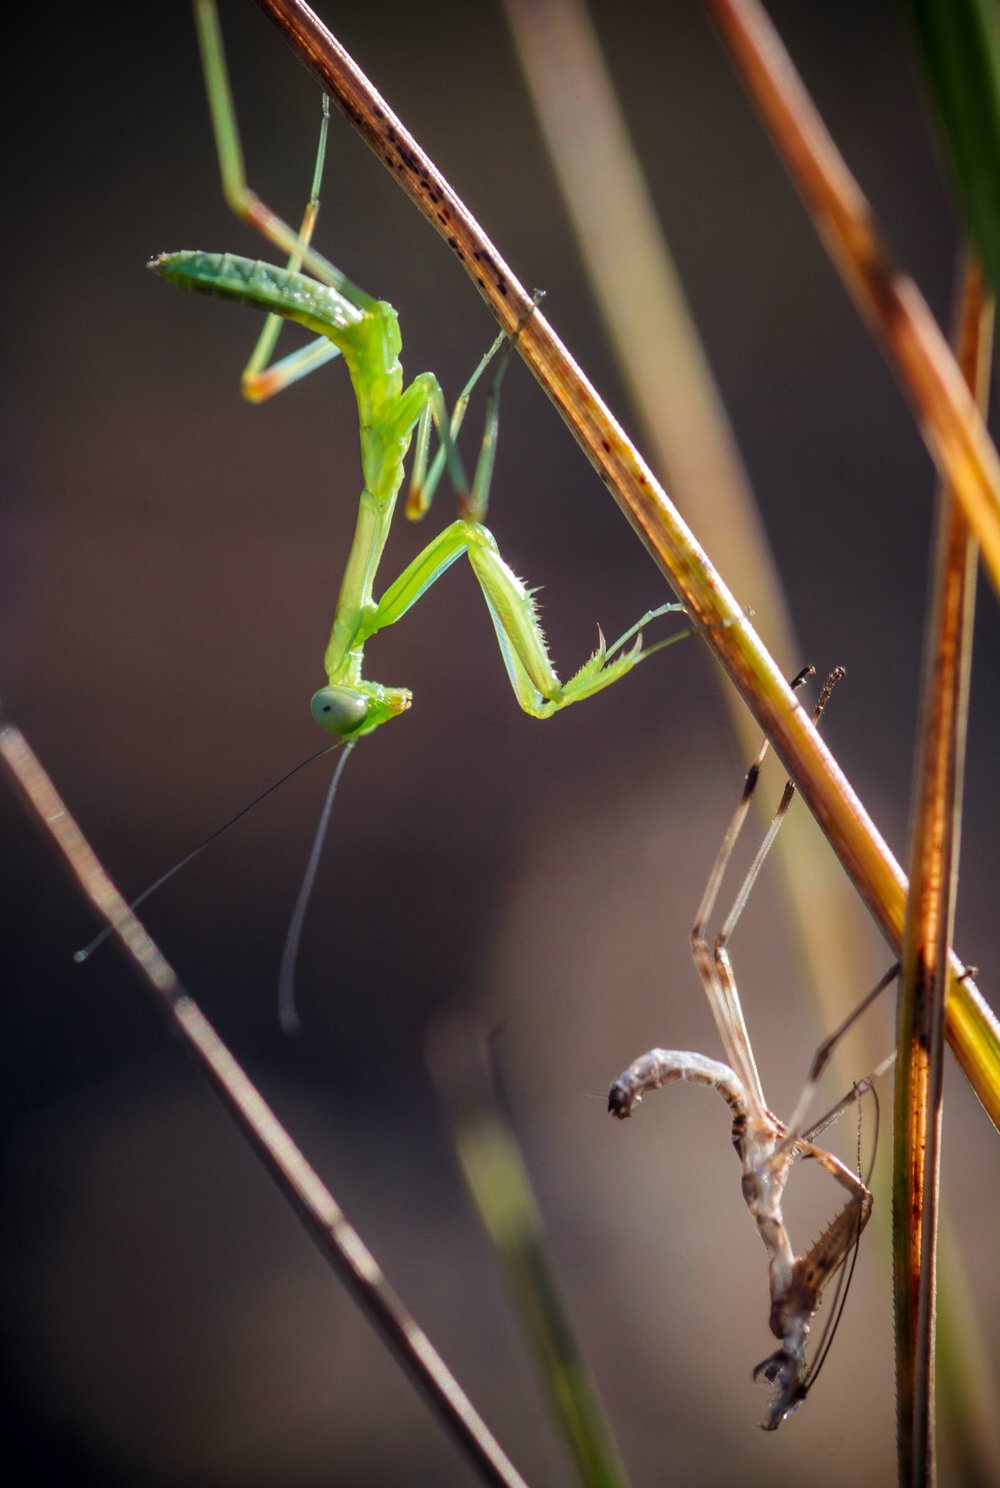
(937, 798)
(973, 1030)
(889, 300)
(338, 1241)
(498, 1184)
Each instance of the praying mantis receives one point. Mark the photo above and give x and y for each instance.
(766, 1146)
(348, 322)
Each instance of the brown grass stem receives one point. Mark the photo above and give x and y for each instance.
(937, 798)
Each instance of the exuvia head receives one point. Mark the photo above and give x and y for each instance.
(351, 712)
(785, 1373)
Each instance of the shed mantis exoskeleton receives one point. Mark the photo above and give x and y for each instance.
(365, 331)
(766, 1146)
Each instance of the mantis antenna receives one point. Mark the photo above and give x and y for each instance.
(288, 1013)
(85, 952)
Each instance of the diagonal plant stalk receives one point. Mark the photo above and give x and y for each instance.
(973, 1031)
(340, 1244)
(937, 802)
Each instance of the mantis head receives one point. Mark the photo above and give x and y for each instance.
(354, 711)
(785, 1371)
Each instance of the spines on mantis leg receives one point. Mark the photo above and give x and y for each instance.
(598, 668)
(522, 643)
(250, 282)
(516, 619)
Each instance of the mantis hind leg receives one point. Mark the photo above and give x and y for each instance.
(245, 202)
(261, 379)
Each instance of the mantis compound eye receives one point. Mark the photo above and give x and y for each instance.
(339, 710)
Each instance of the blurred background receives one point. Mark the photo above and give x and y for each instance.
(169, 561)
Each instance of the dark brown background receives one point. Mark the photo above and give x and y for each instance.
(170, 558)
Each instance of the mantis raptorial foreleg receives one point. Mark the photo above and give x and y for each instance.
(346, 321)
(766, 1146)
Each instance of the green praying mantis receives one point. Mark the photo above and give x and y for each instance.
(348, 322)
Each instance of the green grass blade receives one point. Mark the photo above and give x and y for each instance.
(500, 1188)
(959, 45)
